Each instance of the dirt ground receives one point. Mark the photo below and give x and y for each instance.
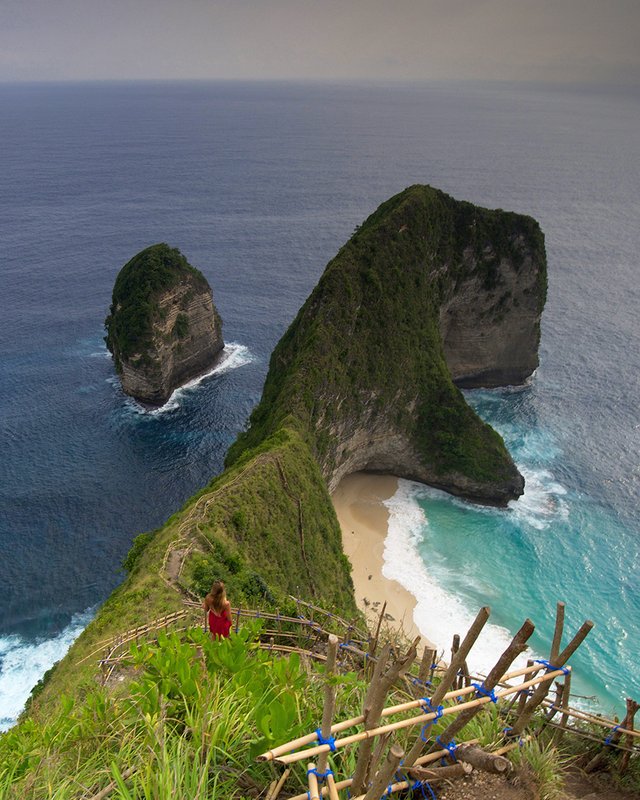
(482, 786)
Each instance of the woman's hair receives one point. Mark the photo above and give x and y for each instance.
(216, 597)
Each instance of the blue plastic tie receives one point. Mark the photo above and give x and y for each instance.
(480, 689)
(550, 666)
(438, 714)
(450, 746)
(609, 738)
(330, 740)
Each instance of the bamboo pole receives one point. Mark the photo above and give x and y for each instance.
(313, 782)
(329, 697)
(383, 776)
(332, 790)
(338, 727)
(429, 759)
(412, 721)
(540, 693)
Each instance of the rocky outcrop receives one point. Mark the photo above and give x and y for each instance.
(428, 291)
(490, 333)
(163, 329)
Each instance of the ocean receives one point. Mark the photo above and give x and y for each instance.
(259, 184)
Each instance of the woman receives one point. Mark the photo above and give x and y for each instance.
(217, 611)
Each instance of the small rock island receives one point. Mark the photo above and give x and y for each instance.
(163, 328)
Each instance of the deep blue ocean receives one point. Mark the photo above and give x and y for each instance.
(259, 185)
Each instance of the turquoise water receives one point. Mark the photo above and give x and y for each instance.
(555, 543)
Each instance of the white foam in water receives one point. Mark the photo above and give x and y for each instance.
(438, 613)
(542, 501)
(234, 355)
(23, 663)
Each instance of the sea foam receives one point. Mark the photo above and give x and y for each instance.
(23, 663)
(439, 613)
(234, 355)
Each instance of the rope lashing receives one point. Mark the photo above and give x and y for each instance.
(609, 738)
(439, 711)
(450, 746)
(330, 740)
(321, 776)
(421, 785)
(481, 689)
(550, 667)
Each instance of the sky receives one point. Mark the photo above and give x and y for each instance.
(408, 40)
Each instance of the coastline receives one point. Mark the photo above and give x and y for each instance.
(359, 505)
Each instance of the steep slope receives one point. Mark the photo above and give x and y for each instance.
(426, 287)
(163, 328)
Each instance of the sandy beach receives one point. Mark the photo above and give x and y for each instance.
(363, 518)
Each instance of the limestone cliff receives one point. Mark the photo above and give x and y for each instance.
(163, 328)
(428, 289)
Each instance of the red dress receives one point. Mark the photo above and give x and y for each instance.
(219, 625)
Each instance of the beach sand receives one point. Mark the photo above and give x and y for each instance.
(358, 502)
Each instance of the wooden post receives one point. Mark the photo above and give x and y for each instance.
(384, 774)
(541, 692)
(480, 759)
(451, 673)
(632, 707)
(373, 643)
(615, 736)
(440, 773)
(329, 697)
(521, 697)
(455, 646)
(383, 679)
(566, 693)
(238, 620)
(557, 634)
(557, 703)
(428, 655)
(517, 645)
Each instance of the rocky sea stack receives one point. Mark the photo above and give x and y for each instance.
(163, 328)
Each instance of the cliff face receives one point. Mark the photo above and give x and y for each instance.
(490, 333)
(163, 329)
(428, 289)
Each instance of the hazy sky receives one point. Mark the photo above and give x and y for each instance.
(559, 40)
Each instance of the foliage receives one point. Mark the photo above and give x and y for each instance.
(194, 717)
(545, 764)
(366, 345)
(135, 293)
